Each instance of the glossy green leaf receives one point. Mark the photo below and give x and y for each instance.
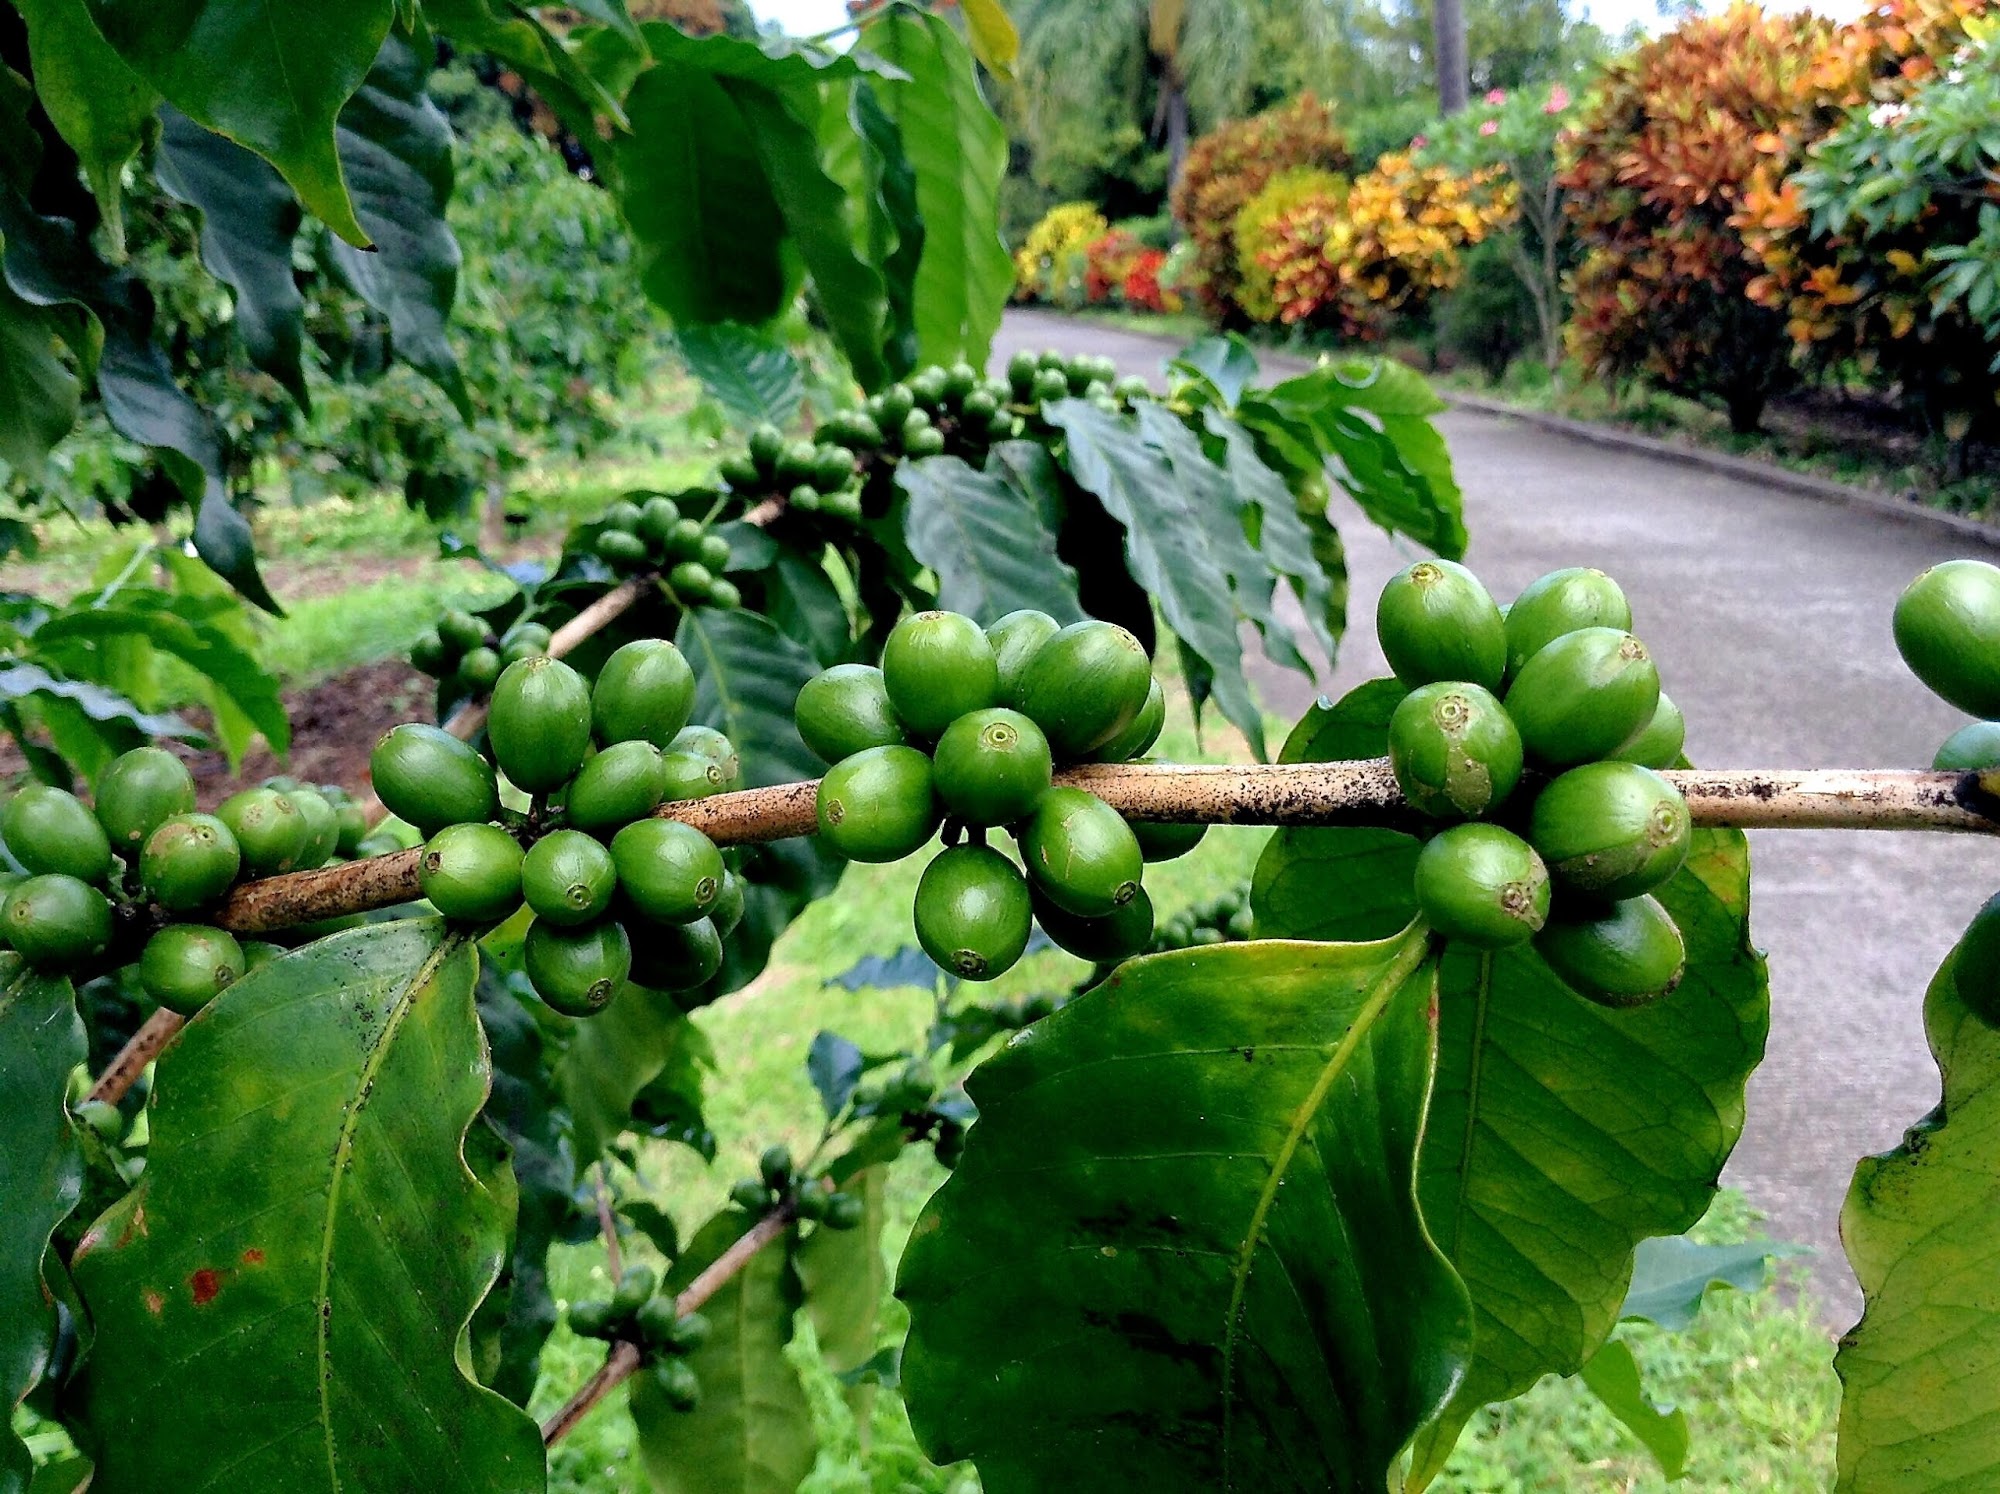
(610, 13)
(985, 538)
(249, 219)
(577, 85)
(608, 1059)
(270, 75)
(889, 225)
(98, 105)
(1219, 503)
(804, 603)
(279, 1304)
(1672, 1274)
(1612, 1375)
(957, 151)
(1284, 536)
(31, 682)
(843, 1275)
(754, 378)
(70, 1475)
(1226, 365)
(1921, 1224)
(1372, 419)
(396, 149)
(1167, 545)
(753, 1431)
(711, 236)
(1182, 1249)
(1561, 1133)
(39, 396)
(41, 1178)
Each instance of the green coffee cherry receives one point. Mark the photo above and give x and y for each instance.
(270, 832)
(1081, 854)
(973, 912)
(1612, 830)
(1015, 639)
(1162, 842)
(844, 1211)
(991, 767)
(1562, 602)
(185, 966)
(751, 1195)
(322, 826)
(1137, 739)
(687, 775)
(707, 742)
(1482, 886)
(472, 873)
(878, 805)
(591, 1319)
(56, 920)
(428, 777)
(189, 861)
(539, 724)
(678, 1384)
(50, 830)
(668, 871)
(567, 877)
(577, 971)
(1583, 696)
(1454, 749)
(1437, 622)
(644, 693)
(137, 793)
(635, 1289)
(479, 669)
(1970, 749)
(623, 783)
(1084, 687)
(1947, 624)
(729, 906)
(461, 631)
(937, 666)
(845, 710)
(677, 957)
(775, 1166)
(1624, 955)
(1124, 932)
(1658, 743)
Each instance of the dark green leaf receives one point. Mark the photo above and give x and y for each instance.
(248, 221)
(1612, 1374)
(1166, 545)
(69, 1475)
(747, 679)
(1922, 1229)
(41, 1178)
(39, 396)
(271, 76)
(1217, 501)
(753, 1432)
(755, 379)
(985, 538)
(834, 1065)
(711, 236)
(610, 13)
(846, 287)
(1227, 365)
(98, 105)
(396, 149)
(609, 1059)
(909, 967)
(890, 229)
(1671, 1274)
(1561, 1133)
(804, 603)
(957, 151)
(1288, 545)
(328, 1295)
(574, 81)
(1182, 1249)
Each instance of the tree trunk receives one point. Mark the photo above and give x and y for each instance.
(1448, 31)
(1176, 109)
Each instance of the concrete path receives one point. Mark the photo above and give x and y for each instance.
(1769, 615)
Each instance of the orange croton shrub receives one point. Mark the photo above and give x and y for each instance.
(1231, 165)
(1657, 169)
(1864, 294)
(1347, 259)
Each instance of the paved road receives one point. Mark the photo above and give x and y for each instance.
(1769, 615)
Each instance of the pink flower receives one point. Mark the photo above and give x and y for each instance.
(1490, 127)
(1558, 100)
(1418, 142)
(1497, 96)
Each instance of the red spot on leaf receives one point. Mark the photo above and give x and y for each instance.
(253, 1257)
(204, 1284)
(154, 1302)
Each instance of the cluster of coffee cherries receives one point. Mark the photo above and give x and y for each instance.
(1947, 625)
(780, 1185)
(617, 891)
(660, 536)
(1221, 919)
(1556, 696)
(1042, 378)
(639, 1313)
(466, 654)
(962, 727)
(132, 873)
(811, 476)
